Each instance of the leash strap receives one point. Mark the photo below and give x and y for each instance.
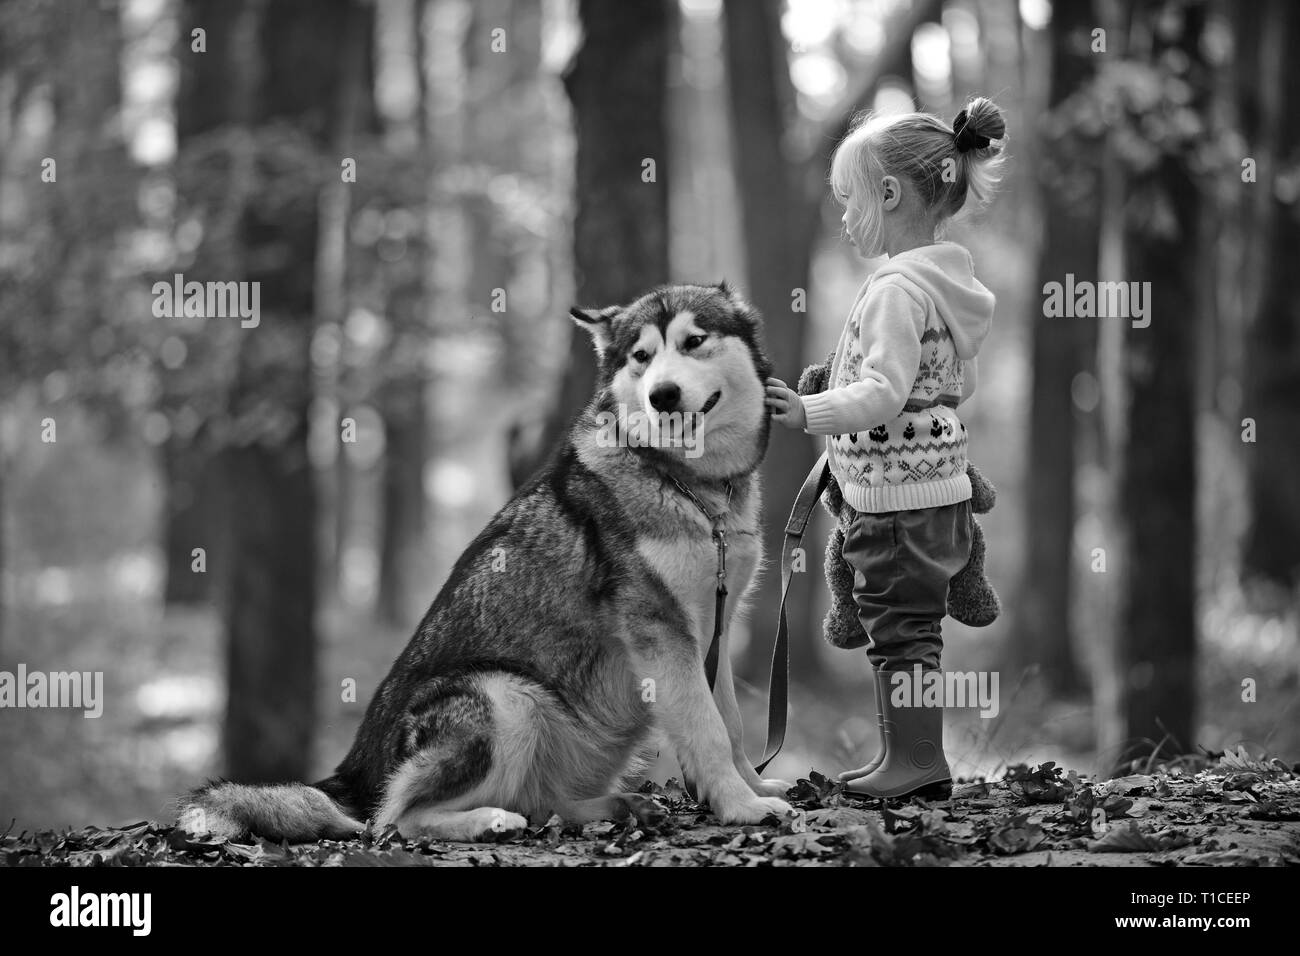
(779, 682)
(719, 603)
(718, 522)
(778, 689)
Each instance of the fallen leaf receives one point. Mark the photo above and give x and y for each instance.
(1015, 835)
(816, 790)
(837, 817)
(1043, 784)
(241, 852)
(1133, 783)
(799, 844)
(1131, 838)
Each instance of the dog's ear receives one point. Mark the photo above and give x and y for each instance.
(597, 323)
(739, 306)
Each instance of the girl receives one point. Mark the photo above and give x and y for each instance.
(904, 362)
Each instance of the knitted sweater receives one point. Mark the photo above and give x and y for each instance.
(904, 362)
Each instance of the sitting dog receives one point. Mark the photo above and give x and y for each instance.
(572, 632)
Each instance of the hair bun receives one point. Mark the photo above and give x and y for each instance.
(977, 124)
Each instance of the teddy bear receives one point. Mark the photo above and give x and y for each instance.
(971, 598)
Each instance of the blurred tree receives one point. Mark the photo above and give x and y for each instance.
(193, 508)
(398, 264)
(1061, 349)
(1272, 547)
(253, 186)
(413, 293)
(355, 117)
(778, 263)
(1161, 95)
(496, 82)
(617, 85)
(63, 270)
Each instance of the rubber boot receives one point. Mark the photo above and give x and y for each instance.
(881, 690)
(914, 763)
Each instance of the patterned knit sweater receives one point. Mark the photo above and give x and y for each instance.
(904, 362)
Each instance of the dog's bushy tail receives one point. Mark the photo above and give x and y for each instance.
(295, 812)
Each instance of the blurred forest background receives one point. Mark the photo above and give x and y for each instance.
(1146, 541)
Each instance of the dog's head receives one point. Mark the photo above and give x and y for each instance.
(685, 363)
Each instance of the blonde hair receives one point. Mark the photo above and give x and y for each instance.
(918, 147)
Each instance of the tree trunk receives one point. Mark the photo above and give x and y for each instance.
(1272, 546)
(617, 85)
(192, 519)
(496, 136)
(287, 74)
(1061, 349)
(401, 398)
(355, 115)
(777, 268)
(1156, 470)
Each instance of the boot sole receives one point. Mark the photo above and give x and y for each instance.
(938, 790)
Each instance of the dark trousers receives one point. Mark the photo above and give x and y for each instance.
(902, 562)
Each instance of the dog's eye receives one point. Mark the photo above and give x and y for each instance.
(693, 342)
(641, 355)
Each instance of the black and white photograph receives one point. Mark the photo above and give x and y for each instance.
(633, 434)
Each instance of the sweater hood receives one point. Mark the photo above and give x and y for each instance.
(944, 271)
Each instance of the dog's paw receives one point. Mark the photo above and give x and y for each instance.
(772, 787)
(754, 811)
(491, 822)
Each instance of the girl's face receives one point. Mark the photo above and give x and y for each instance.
(863, 226)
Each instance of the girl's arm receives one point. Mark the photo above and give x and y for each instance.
(890, 327)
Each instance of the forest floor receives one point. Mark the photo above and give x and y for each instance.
(1221, 810)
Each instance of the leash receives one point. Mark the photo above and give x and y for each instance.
(778, 691)
(778, 688)
(717, 522)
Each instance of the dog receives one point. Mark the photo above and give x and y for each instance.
(568, 641)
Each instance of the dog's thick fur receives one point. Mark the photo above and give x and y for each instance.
(573, 629)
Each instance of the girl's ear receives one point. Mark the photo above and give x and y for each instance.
(891, 193)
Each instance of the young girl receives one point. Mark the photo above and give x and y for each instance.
(904, 362)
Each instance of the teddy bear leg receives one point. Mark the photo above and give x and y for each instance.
(843, 628)
(971, 598)
(982, 493)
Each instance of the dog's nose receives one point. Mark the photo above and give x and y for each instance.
(664, 398)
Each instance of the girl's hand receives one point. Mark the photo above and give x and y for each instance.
(786, 405)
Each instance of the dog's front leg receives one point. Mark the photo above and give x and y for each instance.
(724, 694)
(685, 709)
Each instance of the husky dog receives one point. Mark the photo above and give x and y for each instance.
(572, 631)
